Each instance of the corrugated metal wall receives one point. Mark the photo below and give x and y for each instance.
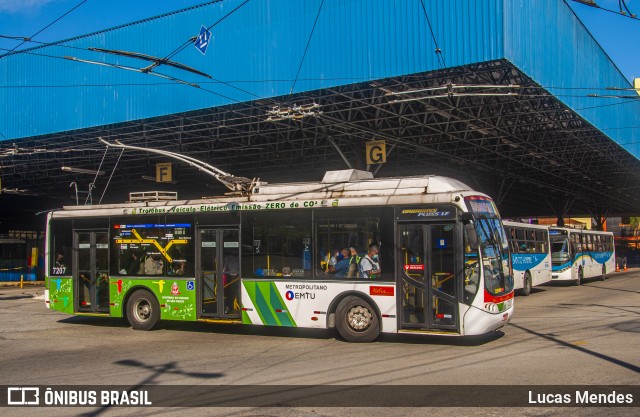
(259, 49)
(545, 39)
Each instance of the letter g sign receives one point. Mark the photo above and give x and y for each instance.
(376, 152)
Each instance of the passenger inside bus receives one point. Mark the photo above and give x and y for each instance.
(134, 264)
(354, 261)
(341, 267)
(370, 264)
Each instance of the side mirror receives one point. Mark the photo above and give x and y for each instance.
(466, 217)
(472, 237)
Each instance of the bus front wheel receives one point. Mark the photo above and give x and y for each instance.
(526, 285)
(356, 320)
(143, 311)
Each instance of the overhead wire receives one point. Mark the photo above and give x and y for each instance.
(438, 51)
(227, 83)
(604, 9)
(255, 95)
(241, 115)
(46, 27)
(231, 82)
(110, 176)
(304, 54)
(191, 39)
(56, 44)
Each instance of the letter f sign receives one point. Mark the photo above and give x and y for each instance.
(163, 172)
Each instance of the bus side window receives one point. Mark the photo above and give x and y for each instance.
(357, 230)
(531, 246)
(60, 252)
(540, 247)
(337, 234)
(531, 241)
(277, 244)
(521, 243)
(521, 246)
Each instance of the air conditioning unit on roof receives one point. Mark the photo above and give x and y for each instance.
(141, 196)
(346, 175)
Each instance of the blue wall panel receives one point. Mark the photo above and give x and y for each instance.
(259, 49)
(546, 40)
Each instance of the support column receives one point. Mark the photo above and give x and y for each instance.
(560, 207)
(599, 216)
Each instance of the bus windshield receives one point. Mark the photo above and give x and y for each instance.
(560, 251)
(495, 260)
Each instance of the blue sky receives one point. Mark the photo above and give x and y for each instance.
(616, 34)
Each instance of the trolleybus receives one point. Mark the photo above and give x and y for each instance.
(268, 258)
(578, 254)
(530, 255)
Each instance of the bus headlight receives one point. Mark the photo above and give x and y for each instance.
(495, 308)
(491, 308)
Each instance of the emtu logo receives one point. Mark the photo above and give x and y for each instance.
(290, 295)
(23, 396)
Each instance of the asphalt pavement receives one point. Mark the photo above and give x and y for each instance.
(559, 335)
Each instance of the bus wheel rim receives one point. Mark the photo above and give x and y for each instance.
(143, 310)
(359, 318)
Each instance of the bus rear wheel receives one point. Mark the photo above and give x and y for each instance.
(143, 310)
(526, 285)
(357, 321)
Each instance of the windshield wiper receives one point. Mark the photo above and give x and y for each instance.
(492, 238)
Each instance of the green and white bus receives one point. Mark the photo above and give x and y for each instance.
(262, 258)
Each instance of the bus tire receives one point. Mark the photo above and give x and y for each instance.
(526, 284)
(356, 320)
(578, 281)
(143, 310)
(604, 273)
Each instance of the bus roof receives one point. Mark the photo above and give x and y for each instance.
(574, 230)
(510, 223)
(349, 187)
(354, 183)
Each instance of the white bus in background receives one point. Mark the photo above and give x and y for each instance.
(530, 255)
(578, 254)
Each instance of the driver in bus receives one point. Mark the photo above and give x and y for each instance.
(60, 260)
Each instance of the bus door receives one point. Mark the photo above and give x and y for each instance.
(91, 270)
(218, 272)
(427, 276)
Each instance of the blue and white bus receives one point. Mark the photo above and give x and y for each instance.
(578, 254)
(530, 255)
